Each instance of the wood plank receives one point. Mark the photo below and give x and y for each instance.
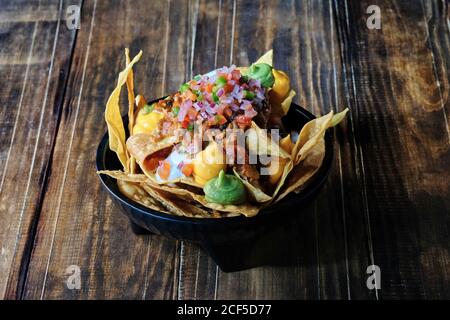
(33, 74)
(79, 225)
(330, 208)
(318, 264)
(435, 260)
(401, 140)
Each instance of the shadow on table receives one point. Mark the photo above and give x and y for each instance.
(290, 243)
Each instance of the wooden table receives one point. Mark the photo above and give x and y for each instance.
(386, 202)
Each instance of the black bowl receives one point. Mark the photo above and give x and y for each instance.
(229, 241)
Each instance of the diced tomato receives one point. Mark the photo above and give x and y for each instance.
(209, 87)
(164, 170)
(228, 88)
(187, 169)
(227, 112)
(220, 119)
(243, 122)
(185, 123)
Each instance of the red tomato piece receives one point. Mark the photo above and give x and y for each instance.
(243, 121)
(187, 169)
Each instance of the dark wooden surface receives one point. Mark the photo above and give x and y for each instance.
(386, 202)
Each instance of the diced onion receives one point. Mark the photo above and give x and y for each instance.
(184, 108)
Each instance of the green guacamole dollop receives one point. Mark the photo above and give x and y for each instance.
(263, 73)
(225, 189)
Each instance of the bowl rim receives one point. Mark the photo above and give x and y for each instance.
(316, 183)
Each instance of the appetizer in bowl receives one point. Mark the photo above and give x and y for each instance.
(217, 147)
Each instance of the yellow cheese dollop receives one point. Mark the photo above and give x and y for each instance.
(208, 163)
(147, 122)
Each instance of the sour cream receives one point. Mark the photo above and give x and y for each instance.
(174, 159)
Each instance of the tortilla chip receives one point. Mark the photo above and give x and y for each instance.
(134, 186)
(286, 143)
(184, 180)
(308, 154)
(113, 117)
(255, 194)
(309, 136)
(288, 168)
(286, 103)
(302, 173)
(141, 146)
(313, 131)
(130, 89)
(338, 117)
(218, 214)
(136, 193)
(120, 175)
(243, 70)
(174, 204)
(258, 142)
(247, 209)
(266, 58)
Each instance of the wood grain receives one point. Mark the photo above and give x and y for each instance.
(401, 141)
(318, 266)
(33, 76)
(387, 199)
(79, 225)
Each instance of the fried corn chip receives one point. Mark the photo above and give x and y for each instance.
(247, 210)
(299, 177)
(314, 131)
(120, 175)
(286, 103)
(136, 193)
(307, 154)
(259, 143)
(141, 146)
(130, 89)
(131, 98)
(174, 204)
(189, 181)
(255, 193)
(309, 136)
(266, 58)
(113, 116)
